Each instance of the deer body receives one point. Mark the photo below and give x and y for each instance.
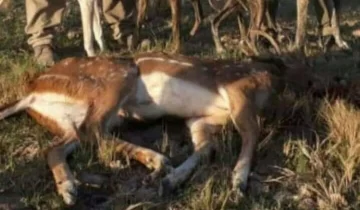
(78, 93)
(72, 97)
(175, 96)
(207, 94)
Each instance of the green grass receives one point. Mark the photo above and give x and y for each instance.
(308, 156)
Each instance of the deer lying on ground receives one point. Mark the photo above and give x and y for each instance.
(207, 94)
(77, 93)
(70, 99)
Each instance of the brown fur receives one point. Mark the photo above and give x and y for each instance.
(205, 93)
(96, 86)
(241, 89)
(51, 125)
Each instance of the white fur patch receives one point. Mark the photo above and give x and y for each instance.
(172, 61)
(158, 94)
(66, 111)
(224, 94)
(68, 192)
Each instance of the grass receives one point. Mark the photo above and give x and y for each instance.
(307, 157)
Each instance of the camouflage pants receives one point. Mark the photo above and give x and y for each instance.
(43, 15)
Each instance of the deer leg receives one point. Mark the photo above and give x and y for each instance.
(323, 16)
(87, 12)
(149, 158)
(198, 12)
(336, 28)
(64, 179)
(215, 23)
(201, 132)
(68, 118)
(175, 6)
(244, 118)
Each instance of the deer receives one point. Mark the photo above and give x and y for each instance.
(77, 94)
(71, 100)
(207, 94)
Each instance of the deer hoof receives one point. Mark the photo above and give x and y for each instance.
(68, 191)
(236, 195)
(220, 50)
(343, 45)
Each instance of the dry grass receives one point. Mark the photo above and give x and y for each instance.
(326, 168)
(307, 157)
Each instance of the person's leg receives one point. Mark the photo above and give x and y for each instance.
(327, 13)
(121, 15)
(41, 17)
(323, 15)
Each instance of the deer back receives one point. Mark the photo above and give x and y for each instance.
(98, 82)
